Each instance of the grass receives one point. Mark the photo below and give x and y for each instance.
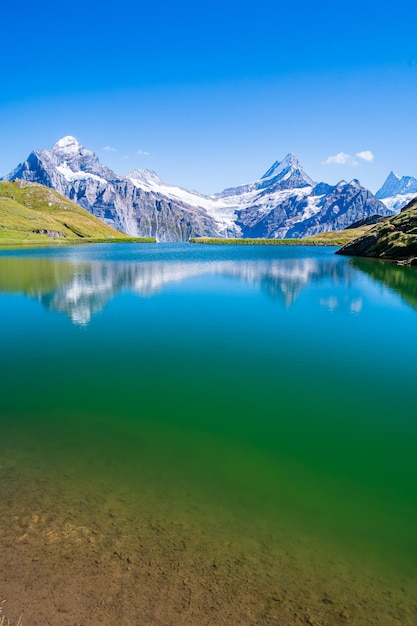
(3, 621)
(33, 214)
(394, 238)
(331, 238)
(8, 623)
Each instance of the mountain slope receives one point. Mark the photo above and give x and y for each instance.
(76, 173)
(284, 202)
(32, 213)
(394, 238)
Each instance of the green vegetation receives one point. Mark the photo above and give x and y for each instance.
(402, 280)
(34, 214)
(331, 238)
(394, 238)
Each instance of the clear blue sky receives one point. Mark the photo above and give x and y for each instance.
(210, 93)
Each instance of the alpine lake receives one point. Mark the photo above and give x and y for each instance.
(196, 435)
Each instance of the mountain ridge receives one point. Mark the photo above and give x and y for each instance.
(397, 191)
(284, 202)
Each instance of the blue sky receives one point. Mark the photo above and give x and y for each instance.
(210, 94)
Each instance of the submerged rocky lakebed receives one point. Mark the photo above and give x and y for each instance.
(207, 435)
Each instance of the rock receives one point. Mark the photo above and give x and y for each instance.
(395, 238)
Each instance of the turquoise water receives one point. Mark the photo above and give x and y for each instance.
(265, 391)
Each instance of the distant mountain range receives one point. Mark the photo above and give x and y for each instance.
(397, 191)
(285, 202)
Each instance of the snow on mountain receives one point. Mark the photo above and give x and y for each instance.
(223, 212)
(397, 191)
(145, 176)
(286, 173)
(77, 173)
(284, 202)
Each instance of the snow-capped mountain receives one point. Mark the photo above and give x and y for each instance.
(77, 173)
(397, 191)
(284, 202)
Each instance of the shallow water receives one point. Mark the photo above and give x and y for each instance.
(254, 403)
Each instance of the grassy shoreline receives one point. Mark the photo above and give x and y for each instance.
(331, 238)
(258, 242)
(69, 242)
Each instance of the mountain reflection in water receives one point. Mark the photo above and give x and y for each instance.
(81, 290)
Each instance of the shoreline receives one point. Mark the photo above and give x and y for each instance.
(334, 238)
(260, 242)
(71, 242)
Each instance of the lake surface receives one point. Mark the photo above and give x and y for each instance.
(207, 435)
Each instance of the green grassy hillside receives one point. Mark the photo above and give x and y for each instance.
(331, 238)
(394, 238)
(31, 213)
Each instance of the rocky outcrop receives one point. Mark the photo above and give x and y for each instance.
(394, 238)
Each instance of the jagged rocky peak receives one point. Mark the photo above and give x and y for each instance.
(289, 162)
(341, 184)
(353, 186)
(69, 151)
(390, 187)
(144, 176)
(289, 169)
(396, 185)
(69, 154)
(355, 183)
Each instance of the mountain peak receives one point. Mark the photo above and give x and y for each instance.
(393, 176)
(289, 171)
(396, 185)
(67, 144)
(290, 162)
(70, 157)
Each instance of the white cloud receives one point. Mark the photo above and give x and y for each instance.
(109, 149)
(142, 153)
(366, 155)
(341, 158)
